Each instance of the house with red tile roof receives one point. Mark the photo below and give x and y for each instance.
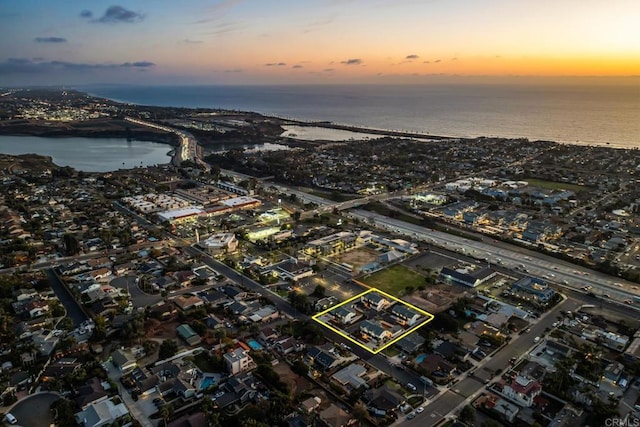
(521, 390)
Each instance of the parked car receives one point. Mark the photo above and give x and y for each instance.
(10, 418)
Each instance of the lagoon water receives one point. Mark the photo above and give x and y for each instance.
(90, 154)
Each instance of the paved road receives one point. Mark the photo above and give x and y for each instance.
(378, 361)
(33, 410)
(74, 310)
(138, 297)
(520, 345)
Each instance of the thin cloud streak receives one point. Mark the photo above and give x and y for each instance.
(50, 40)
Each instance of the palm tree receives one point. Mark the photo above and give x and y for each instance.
(166, 412)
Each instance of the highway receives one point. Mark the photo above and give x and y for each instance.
(555, 271)
(558, 272)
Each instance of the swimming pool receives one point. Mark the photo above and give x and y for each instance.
(255, 345)
(420, 358)
(207, 382)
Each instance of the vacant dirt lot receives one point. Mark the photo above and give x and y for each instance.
(295, 382)
(162, 330)
(357, 257)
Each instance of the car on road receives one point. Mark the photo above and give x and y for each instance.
(536, 339)
(411, 387)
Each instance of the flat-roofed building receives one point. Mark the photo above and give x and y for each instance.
(238, 361)
(220, 243)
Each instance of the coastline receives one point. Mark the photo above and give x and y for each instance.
(532, 112)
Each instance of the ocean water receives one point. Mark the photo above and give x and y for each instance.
(577, 114)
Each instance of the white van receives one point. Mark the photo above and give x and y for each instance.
(10, 418)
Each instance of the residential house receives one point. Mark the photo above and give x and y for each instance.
(497, 320)
(238, 308)
(373, 330)
(268, 334)
(163, 310)
(374, 300)
(90, 393)
(334, 416)
(23, 295)
(521, 390)
(36, 308)
(351, 376)
(59, 369)
(294, 270)
(198, 419)
(411, 343)
(238, 361)
(383, 401)
(240, 389)
(502, 407)
(188, 302)
(451, 351)
(404, 315)
(311, 404)
(146, 382)
(102, 413)
(320, 359)
(214, 298)
(162, 283)
(437, 366)
(100, 274)
(188, 334)
(288, 345)
(214, 322)
(184, 278)
(124, 361)
(534, 286)
(466, 276)
(234, 292)
(344, 315)
(265, 314)
(180, 386)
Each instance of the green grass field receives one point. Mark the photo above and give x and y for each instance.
(551, 185)
(394, 280)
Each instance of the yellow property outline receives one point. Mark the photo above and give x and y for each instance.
(429, 316)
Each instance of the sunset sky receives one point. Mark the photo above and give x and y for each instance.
(314, 41)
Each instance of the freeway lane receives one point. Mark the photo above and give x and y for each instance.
(559, 272)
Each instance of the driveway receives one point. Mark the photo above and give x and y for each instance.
(33, 410)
